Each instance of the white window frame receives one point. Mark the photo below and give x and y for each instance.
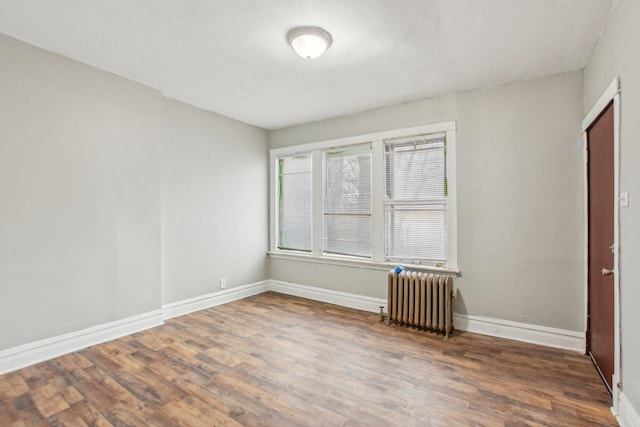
(377, 261)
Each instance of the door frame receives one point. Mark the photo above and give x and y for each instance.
(612, 93)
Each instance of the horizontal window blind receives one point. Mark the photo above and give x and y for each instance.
(416, 198)
(347, 202)
(294, 203)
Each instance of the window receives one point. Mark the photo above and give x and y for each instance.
(294, 203)
(347, 202)
(416, 199)
(373, 200)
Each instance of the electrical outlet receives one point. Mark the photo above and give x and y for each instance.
(624, 199)
(223, 283)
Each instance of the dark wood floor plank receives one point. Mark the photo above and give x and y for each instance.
(277, 360)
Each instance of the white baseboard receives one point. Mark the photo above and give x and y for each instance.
(190, 305)
(543, 335)
(551, 337)
(29, 354)
(628, 416)
(344, 299)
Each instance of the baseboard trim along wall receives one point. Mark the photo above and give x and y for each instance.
(29, 354)
(628, 416)
(39, 351)
(526, 332)
(550, 337)
(190, 305)
(343, 299)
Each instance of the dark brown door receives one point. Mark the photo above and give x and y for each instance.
(601, 208)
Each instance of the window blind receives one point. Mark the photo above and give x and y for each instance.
(416, 198)
(347, 202)
(294, 203)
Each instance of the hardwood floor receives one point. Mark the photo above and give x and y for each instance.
(277, 360)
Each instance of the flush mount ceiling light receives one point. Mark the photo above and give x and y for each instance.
(309, 42)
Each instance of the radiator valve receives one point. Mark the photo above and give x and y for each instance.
(382, 316)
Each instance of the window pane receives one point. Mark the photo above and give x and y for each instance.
(416, 232)
(348, 235)
(415, 170)
(416, 204)
(294, 203)
(347, 202)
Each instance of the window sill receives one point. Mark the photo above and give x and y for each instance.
(359, 263)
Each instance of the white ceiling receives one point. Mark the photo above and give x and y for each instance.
(231, 56)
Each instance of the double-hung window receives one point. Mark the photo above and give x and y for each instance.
(416, 198)
(372, 200)
(294, 203)
(347, 202)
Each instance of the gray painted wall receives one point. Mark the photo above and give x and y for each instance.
(81, 203)
(616, 55)
(214, 202)
(520, 199)
(80, 190)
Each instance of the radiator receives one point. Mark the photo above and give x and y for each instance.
(421, 300)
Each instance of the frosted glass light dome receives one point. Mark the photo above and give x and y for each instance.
(309, 42)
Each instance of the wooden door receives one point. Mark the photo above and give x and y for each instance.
(600, 324)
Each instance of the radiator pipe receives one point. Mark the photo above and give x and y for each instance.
(382, 315)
